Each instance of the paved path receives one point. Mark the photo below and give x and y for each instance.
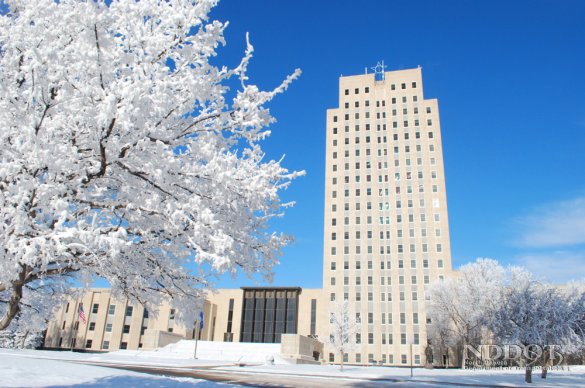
(283, 380)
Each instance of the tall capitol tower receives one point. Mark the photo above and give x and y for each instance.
(386, 221)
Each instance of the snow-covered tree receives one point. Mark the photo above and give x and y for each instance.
(461, 305)
(344, 329)
(20, 339)
(546, 320)
(124, 154)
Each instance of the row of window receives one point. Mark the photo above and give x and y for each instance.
(403, 339)
(382, 139)
(382, 127)
(392, 87)
(105, 344)
(370, 320)
(380, 115)
(388, 265)
(383, 164)
(382, 103)
(385, 206)
(408, 175)
(386, 220)
(371, 360)
(385, 236)
(384, 297)
(112, 310)
(400, 249)
(384, 281)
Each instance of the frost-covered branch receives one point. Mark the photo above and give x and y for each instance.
(126, 156)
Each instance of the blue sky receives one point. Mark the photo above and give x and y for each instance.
(509, 77)
(510, 80)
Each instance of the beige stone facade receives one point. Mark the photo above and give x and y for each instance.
(113, 324)
(386, 237)
(386, 233)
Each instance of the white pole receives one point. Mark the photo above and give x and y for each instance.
(196, 338)
(411, 359)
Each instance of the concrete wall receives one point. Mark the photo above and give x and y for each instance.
(301, 349)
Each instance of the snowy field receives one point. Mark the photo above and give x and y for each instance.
(24, 369)
(30, 368)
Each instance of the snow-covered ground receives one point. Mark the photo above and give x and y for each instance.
(31, 368)
(24, 369)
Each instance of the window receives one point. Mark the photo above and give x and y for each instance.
(129, 310)
(126, 329)
(357, 90)
(123, 345)
(403, 339)
(88, 344)
(108, 327)
(95, 308)
(106, 345)
(112, 309)
(347, 92)
(371, 338)
(91, 326)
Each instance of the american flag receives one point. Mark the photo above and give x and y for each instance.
(82, 313)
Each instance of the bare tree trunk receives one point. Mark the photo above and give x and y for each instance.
(545, 359)
(528, 374)
(463, 355)
(15, 298)
(341, 365)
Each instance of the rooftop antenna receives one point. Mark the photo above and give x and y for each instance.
(379, 71)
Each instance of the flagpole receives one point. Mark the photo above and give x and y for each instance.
(198, 327)
(196, 338)
(75, 315)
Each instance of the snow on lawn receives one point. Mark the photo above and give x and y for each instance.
(574, 377)
(20, 369)
(35, 368)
